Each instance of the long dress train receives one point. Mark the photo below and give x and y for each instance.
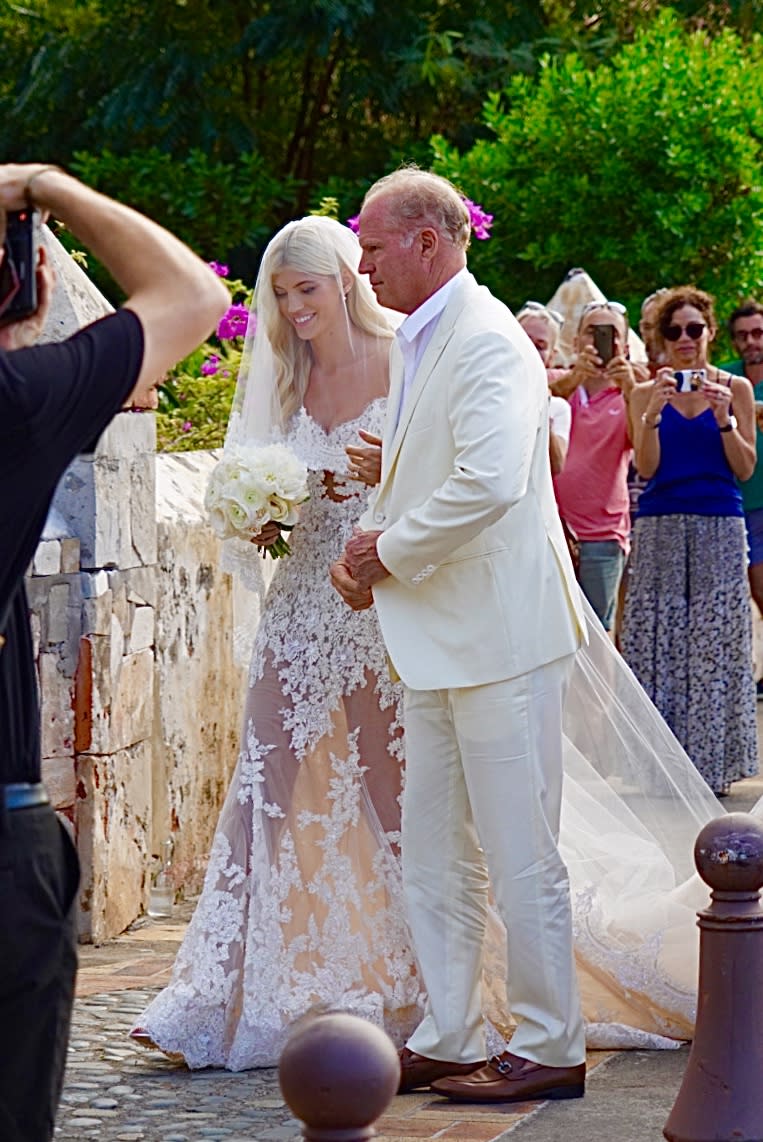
(302, 904)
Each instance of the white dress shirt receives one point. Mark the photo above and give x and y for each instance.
(415, 333)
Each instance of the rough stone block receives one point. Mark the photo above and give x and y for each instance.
(113, 822)
(56, 713)
(70, 556)
(116, 652)
(58, 777)
(132, 706)
(142, 631)
(94, 583)
(93, 694)
(75, 301)
(47, 557)
(58, 614)
(141, 586)
(129, 435)
(142, 513)
(96, 614)
(119, 598)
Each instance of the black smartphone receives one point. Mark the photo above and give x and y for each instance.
(604, 341)
(18, 272)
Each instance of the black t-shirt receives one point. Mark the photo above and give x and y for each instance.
(54, 401)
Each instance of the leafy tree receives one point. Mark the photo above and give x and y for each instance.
(646, 170)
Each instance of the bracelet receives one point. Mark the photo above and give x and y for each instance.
(648, 424)
(28, 184)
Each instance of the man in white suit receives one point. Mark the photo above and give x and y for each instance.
(463, 554)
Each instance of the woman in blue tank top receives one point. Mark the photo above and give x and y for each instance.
(687, 629)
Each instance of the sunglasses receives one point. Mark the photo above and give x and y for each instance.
(743, 334)
(615, 306)
(542, 311)
(694, 329)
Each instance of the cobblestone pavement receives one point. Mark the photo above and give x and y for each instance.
(115, 1091)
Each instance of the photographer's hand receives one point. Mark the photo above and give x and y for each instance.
(16, 181)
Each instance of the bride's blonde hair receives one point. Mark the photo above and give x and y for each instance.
(323, 247)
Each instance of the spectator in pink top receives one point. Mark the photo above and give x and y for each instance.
(592, 489)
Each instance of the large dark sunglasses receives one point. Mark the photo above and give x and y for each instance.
(694, 329)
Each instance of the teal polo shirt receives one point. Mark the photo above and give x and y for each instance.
(752, 489)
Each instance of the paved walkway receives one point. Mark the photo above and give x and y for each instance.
(117, 1092)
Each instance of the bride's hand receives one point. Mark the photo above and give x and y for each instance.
(365, 463)
(269, 534)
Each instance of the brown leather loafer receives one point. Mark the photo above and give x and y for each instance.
(417, 1071)
(510, 1078)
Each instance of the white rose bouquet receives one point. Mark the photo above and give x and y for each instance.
(252, 486)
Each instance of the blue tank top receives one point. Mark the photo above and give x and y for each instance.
(693, 476)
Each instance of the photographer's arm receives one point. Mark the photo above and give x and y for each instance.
(176, 296)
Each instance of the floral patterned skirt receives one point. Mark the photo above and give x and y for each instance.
(687, 635)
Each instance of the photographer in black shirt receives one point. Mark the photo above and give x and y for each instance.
(54, 400)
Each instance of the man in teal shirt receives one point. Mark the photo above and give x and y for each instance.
(746, 329)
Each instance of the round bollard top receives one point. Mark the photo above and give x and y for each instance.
(338, 1070)
(729, 853)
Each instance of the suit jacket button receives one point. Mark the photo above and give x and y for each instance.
(378, 517)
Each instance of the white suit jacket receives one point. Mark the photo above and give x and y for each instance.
(481, 585)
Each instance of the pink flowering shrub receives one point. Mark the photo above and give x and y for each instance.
(195, 398)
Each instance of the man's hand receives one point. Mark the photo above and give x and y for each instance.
(22, 334)
(620, 372)
(356, 597)
(362, 560)
(365, 463)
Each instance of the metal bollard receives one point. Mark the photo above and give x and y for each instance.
(721, 1096)
(338, 1074)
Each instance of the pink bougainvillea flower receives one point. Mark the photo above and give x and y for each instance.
(480, 220)
(219, 268)
(210, 366)
(354, 223)
(233, 323)
(187, 425)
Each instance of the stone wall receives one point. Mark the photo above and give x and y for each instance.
(132, 625)
(199, 688)
(140, 696)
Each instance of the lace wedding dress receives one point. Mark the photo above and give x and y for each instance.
(301, 906)
(301, 902)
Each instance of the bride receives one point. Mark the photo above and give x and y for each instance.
(301, 906)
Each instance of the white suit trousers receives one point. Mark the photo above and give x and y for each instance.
(482, 795)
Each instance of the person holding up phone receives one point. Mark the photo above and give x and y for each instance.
(592, 490)
(687, 626)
